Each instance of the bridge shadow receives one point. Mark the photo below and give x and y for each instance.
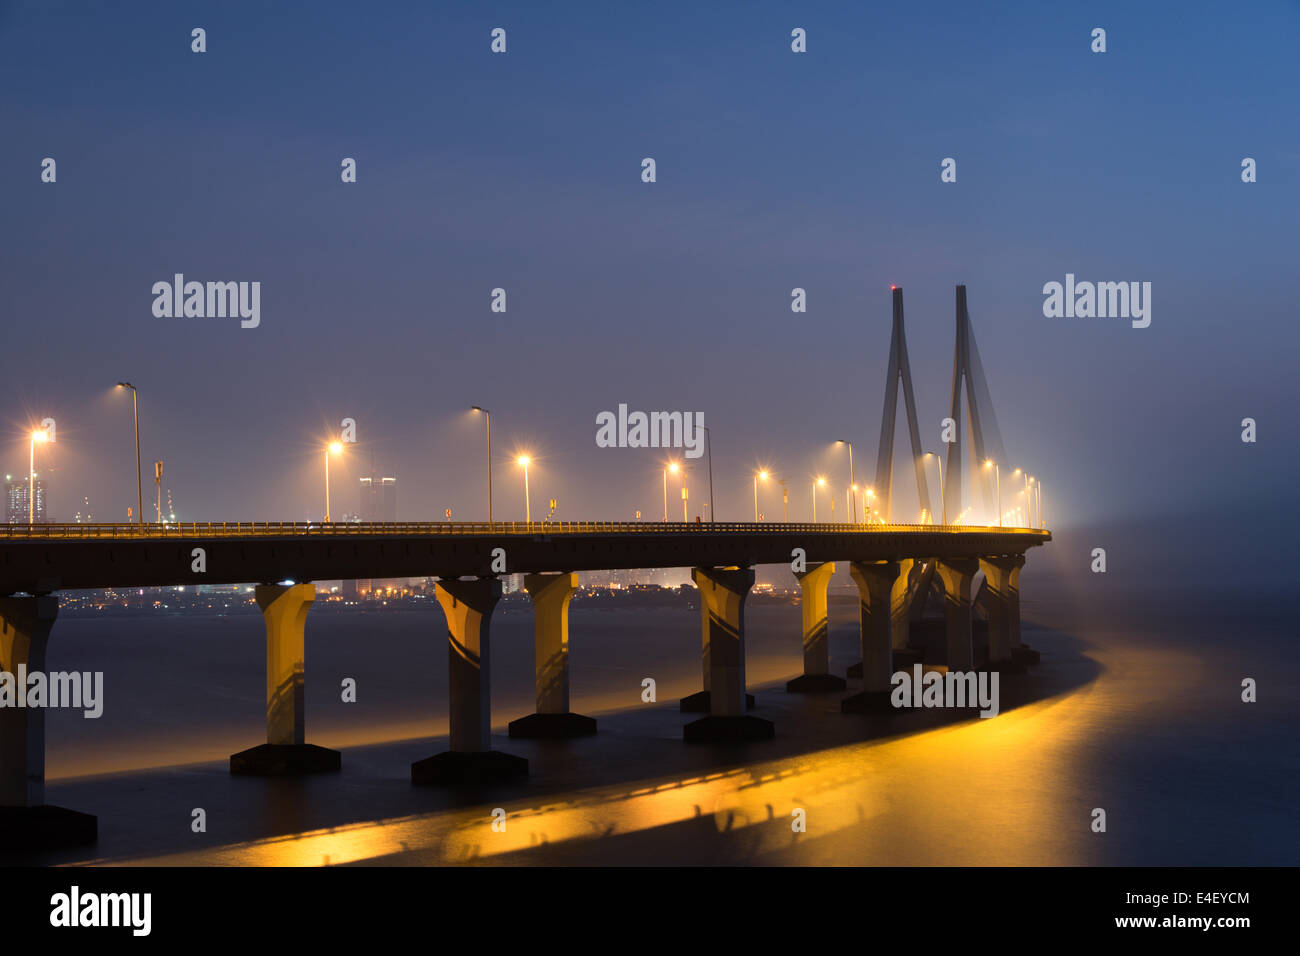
(593, 784)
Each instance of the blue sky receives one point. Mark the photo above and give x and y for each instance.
(522, 171)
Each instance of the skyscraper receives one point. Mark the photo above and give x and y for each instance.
(378, 499)
(16, 511)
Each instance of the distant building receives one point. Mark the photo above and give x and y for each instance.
(378, 499)
(16, 511)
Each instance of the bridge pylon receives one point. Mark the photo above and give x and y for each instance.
(986, 441)
(900, 369)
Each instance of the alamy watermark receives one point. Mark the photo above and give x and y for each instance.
(651, 430)
(1102, 300)
(953, 689)
(36, 689)
(211, 300)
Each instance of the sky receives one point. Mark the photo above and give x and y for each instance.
(775, 170)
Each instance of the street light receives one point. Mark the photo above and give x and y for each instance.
(524, 460)
(871, 493)
(757, 475)
(139, 486)
(853, 515)
(708, 439)
(943, 501)
(488, 416)
(819, 483)
(990, 463)
(672, 466)
(42, 436)
(333, 448)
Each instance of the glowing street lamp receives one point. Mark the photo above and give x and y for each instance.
(673, 467)
(42, 436)
(333, 448)
(488, 416)
(139, 486)
(990, 463)
(524, 461)
(757, 475)
(871, 493)
(819, 483)
(853, 516)
(943, 501)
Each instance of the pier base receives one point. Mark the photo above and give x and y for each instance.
(285, 760)
(552, 726)
(701, 701)
(45, 828)
(728, 728)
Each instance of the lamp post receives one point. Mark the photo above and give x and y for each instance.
(853, 515)
(757, 475)
(686, 493)
(488, 417)
(819, 483)
(333, 448)
(42, 436)
(708, 439)
(943, 501)
(524, 460)
(157, 480)
(871, 493)
(1041, 522)
(997, 476)
(672, 466)
(139, 486)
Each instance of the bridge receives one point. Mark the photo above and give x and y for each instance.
(896, 568)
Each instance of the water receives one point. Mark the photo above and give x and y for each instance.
(1135, 709)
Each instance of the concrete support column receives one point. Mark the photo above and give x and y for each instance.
(876, 582)
(700, 701)
(468, 607)
(957, 574)
(26, 821)
(723, 592)
(900, 605)
(817, 676)
(286, 751)
(1021, 653)
(997, 574)
(551, 594)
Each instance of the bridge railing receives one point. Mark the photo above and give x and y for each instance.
(241, 529)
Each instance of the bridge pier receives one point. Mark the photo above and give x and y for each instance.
(468, 606)
(722, 595)
(957, 575)
(997, 572)
(286, 751)
(26, 821)
(876, 584)
(1021, 653)
(901, 597)
(550, 594)
(700, 701)
(816, 676)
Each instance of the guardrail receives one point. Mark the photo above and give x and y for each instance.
(233, 529)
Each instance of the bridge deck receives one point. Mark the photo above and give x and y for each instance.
(44, 558)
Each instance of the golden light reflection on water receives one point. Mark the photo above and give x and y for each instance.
(1002, 791)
